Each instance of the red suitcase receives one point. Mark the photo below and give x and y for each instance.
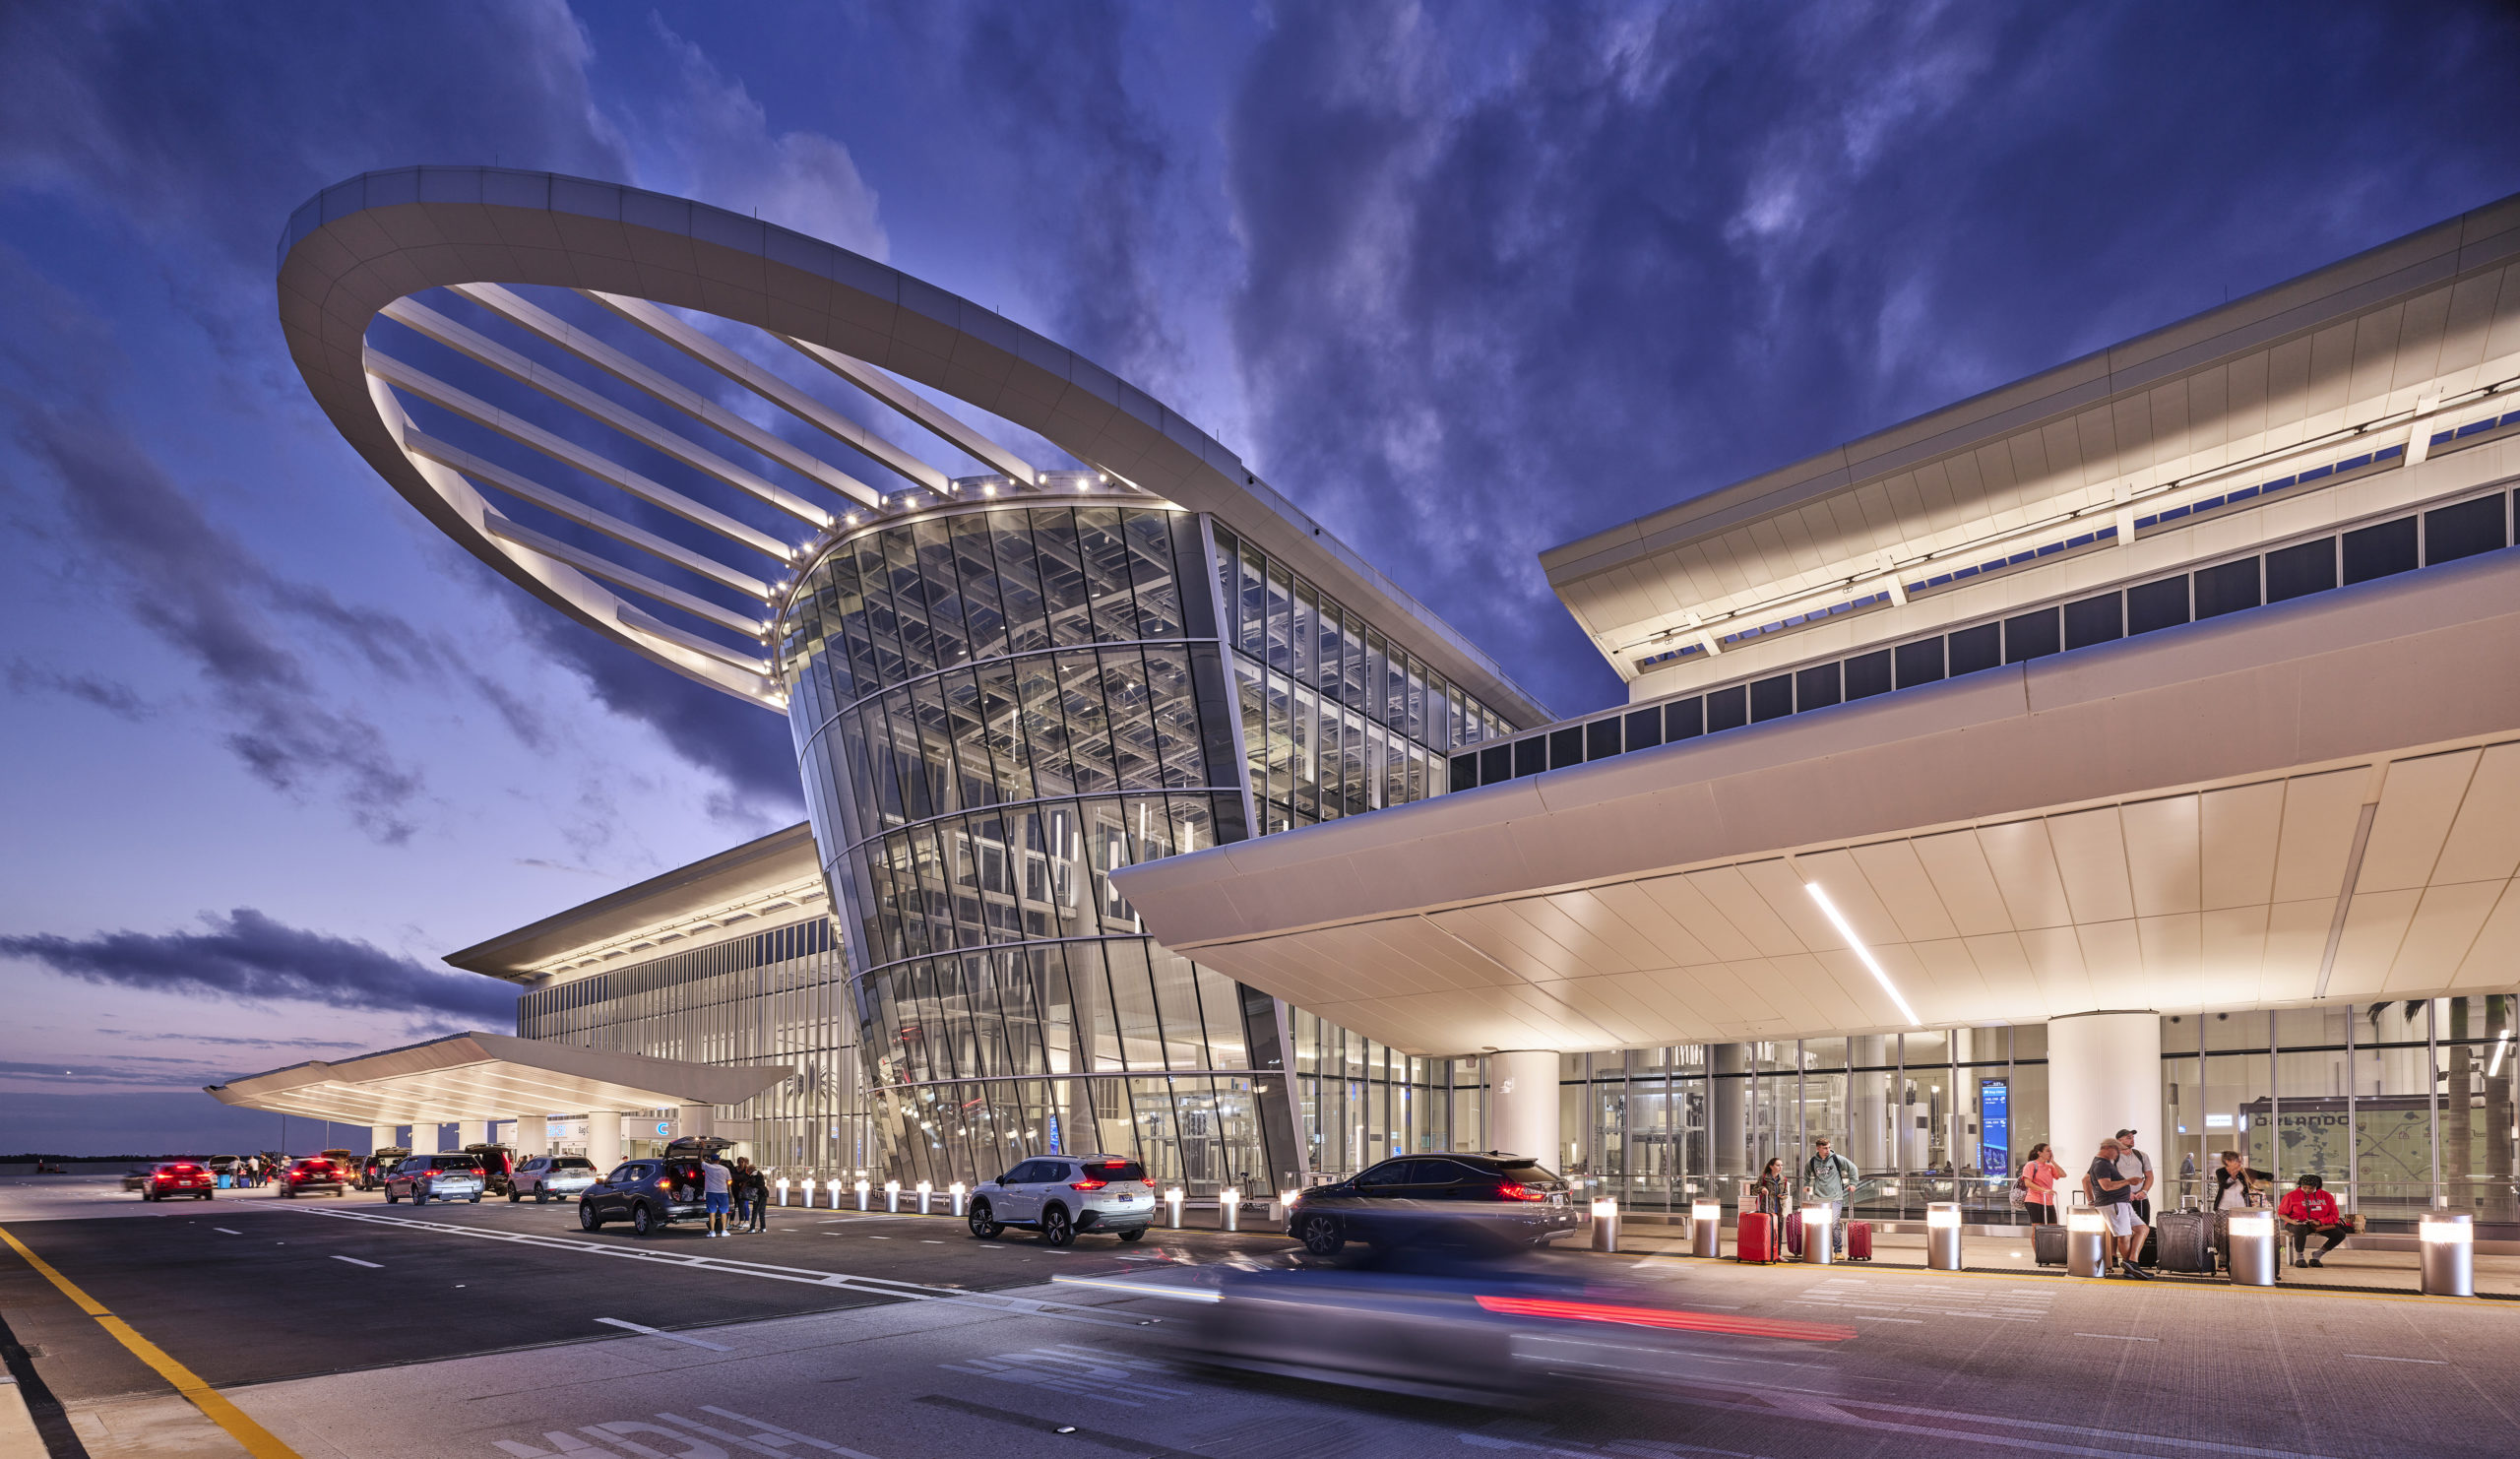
(1859, 1240)
(1794, 1231)
(1755, 1240)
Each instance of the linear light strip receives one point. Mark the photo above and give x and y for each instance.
(1838, 920)
(2502, 1046)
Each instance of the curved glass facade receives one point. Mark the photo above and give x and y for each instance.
(996, 705)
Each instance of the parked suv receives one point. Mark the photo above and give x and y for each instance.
(1060, 1195)
(546, 1176)
(1492, 1202)
(373, 1169)
(435, 1178)
(650, 1194)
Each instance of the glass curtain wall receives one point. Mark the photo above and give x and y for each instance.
(775, 994)
(1360, 1102)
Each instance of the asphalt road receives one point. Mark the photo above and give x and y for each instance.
(477, 1330)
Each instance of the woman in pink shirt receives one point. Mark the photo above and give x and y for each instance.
(2038, 1176)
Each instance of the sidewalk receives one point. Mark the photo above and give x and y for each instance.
(2345, 1271)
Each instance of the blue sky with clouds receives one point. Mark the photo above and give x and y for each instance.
(1465, 280)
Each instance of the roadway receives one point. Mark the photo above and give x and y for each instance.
(352, 1328)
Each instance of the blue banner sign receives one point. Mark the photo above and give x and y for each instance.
(1994, 1124)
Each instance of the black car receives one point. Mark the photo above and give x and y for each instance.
(650, 1194)
(311, 1175)
(1488, 1201)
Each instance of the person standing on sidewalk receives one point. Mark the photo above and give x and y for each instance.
(1830, 1176)
(2136, 1165)
(760, 1197)
(2039, 1176)
(717, 1184)
(2108, 1192)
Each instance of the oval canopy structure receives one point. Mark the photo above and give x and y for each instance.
(650, 413)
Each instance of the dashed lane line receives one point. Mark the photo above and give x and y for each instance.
(373, 1266)
(224, 1230)
(672, 1337)
(1002, 1302)
(2384, 1357)
(2117, 1337)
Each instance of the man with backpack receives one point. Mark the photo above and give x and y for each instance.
(1830, 1176)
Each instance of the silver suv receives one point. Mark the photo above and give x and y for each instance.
(435, 1178)
(547, 1175)
(1060, 1195)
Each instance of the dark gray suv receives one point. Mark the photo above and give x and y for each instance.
(424, 1178)
(1486, 1202)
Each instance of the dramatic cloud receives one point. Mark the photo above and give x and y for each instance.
(246, 955)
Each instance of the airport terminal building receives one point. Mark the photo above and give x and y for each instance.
(2136, 744)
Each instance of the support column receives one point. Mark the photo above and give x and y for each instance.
(425, 1137)
(381, 1135)
(2103, 1075)
(1524, 1102)
(604, 1138)
(1868, 1103)
(472, 1132)
(533, 1135)
(1726, 1099)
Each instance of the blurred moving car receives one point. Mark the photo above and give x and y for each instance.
(1512, 1333)
(173, 1178)
(424, 1178)
(546, 1176)
(1060, 1195)
(650, 1194)
(373, 1169)
(310, 1175)
(1490, 1202)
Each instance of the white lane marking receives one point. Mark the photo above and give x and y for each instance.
(930, 1241)
(1087, 1372)
(893, 1286)
(354, 1261)
(1144, 1289)
(2117, 1337)
(226, 1231)
(672, 1337)
(2384, 1357)
(878, 1239)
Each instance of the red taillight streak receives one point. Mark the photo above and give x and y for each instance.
(1087, 1185)
(1585, 1311)
(1513, 1193)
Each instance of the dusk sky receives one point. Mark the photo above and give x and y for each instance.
(1462, 281)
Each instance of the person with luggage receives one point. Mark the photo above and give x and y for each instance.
(1768, 1193)
(2308, 1210)
(2037, 1181)
(2237, 1187)
(2136, 1165)
(2107, 1190)
(1830, 1178)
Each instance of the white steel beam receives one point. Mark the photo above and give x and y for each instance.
(639, 621)
(920, 408)
(770, 387)
(509, 530)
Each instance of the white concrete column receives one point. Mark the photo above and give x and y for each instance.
(424, 1135)
(1727, 1100)
(604, 1138)
(381, 1135)
(533, 1135)
(472, 1132)
(694, 1121)
(2103, 1075)
(1868, 1103)
(1522, 1098)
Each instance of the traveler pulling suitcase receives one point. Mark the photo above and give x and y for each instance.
(2185, 1242)
(2047, 1245)
(1755, 1241)
(1859, 1240)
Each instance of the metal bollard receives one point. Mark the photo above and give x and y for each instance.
(1228, 1209)
(1942, 1236)
(862, 1196)
(2253, 1247)
(810, 1190)
(962, 1197)
(926, 1188)
(2086, 1243)
(1706, 1229)
(1283, 1209)
(1606, 1224)
(2450, 1253)
(1172, 1209)
(892, 1196)
(1818, 1249)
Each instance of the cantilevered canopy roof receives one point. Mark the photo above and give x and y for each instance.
(491, 1076)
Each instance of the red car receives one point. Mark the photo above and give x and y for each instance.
(179, 1178)
(312, 1173)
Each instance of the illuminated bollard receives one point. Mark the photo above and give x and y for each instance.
(810, 1190)
(2087, 1243)
(2450, 1253)
(892, 1196)
(1706, 1229)
(862, 1195)
(1606, 1224)
(926, 1189)
(1285, 1207)
(962, 1195)
(1228, 1209)
(1942, 1236)
(1172, 1208)
(1817, 1247)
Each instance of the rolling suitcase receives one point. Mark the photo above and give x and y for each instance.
(2185, 1243)
(1794, 1233)
(1859, 1240)
(2047, 1245)
(1755, 1240)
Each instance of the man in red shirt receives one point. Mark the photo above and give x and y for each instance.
(2308, 1210)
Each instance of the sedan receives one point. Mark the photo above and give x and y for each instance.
(175, 1177)
(1463, 1201)
(306, 1176)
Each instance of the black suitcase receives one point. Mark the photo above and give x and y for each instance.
(2183, 1240)
(2047, 1245)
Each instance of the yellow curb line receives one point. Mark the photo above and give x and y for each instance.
(258, 1441)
